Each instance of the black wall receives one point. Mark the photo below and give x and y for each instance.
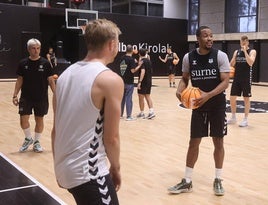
(48, 25)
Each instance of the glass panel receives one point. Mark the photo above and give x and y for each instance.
(194, 12)
(243, 8)
(101, 5)
(120, 6)
(247, 24)
(156, 10)
(139, 8)
(253, 7)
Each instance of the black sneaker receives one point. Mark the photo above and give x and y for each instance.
(217, 186)
(181, 187)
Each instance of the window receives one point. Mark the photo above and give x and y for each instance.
(101, 5)
(241, 16)
(120, 6)
(193, 22)
(155, 10)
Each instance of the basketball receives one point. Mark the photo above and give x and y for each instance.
(135, 51)
(175, 61)
(188, 96)
(55, 76)
(232, 72)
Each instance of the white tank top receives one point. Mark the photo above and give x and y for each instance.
(79, 151)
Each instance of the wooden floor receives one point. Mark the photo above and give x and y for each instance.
(153, 154)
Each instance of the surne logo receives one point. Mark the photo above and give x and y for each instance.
(204, 72)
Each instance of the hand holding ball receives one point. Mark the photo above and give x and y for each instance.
(188, 97)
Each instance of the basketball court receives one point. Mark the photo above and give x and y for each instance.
(152, 156)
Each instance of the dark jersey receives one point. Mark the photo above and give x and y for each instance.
(205, 74)
(126, 64)
(35, 78)
(170, 58)
(243, 71)
(147, 65)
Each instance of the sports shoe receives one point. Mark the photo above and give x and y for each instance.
(26, 144)
(244, 123)
(232, 120)
(141, 115)
(181, 187)
(151, 115)
(217, 186)
(37, 147)
(130, 118)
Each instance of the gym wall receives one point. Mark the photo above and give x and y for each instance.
(48, 25)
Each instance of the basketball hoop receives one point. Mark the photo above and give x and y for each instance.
(83, 29)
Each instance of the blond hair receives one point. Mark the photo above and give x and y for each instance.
(98, 32)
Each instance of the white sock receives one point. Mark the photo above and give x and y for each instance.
(188, 174)
(27, 133)
(151, 110)
(37, 136)
(218, 173)
(233, 116)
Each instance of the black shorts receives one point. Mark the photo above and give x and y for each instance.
(208, 123)
(26, 107)
(95, 192)
(171, 70)
(145, 88)
(241, 87)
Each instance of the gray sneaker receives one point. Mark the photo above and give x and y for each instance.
(26, 144)
(151, 115)
(217, 186)
(182, 187)
(141, 115)
(37, 147)
(232, 120)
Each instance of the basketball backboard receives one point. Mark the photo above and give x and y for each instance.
(77, 18)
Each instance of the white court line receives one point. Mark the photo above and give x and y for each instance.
(17, 188)
(34, 180)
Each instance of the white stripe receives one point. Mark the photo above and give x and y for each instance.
(17, 188)
(34, 180)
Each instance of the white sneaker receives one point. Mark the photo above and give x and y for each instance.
(244, 123)
(232, 120)
(131, 118)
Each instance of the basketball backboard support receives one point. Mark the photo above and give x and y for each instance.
(77, 18)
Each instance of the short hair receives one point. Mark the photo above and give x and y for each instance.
(198, 31)
(33, 41)
(129, 48)
(98, 32)
(142, 51)
(244, 38)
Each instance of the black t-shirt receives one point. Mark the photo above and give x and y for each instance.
(243, 71)
(126, 64)
(147, 65)
(35, 78)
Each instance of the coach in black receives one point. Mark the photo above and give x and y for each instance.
(34, 76)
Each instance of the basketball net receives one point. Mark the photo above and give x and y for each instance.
(83, 28)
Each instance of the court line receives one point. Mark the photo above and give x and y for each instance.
(18, 188)
(34, 180)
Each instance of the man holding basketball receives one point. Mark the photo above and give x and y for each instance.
(208, 69)
(171, 59)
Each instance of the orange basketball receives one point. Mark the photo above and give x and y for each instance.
(188, 96)
(175, 61)
(232, 72)
(135, 51)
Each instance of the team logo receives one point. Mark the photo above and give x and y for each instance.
(194, 62)
(210, 60)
